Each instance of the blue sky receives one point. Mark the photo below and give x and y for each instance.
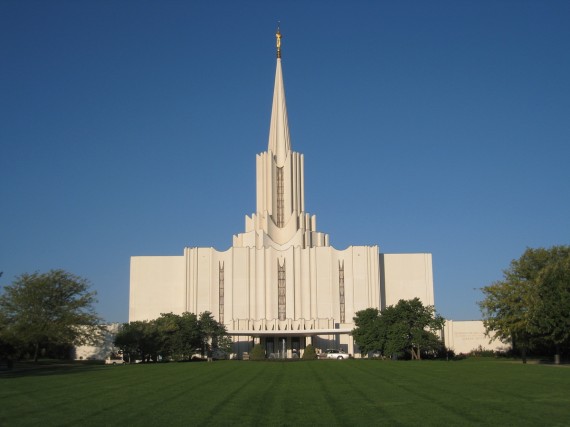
(131, 128)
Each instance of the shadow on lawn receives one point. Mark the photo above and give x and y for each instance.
(52, 367)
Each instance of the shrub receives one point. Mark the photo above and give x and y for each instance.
(258, 352)
(481, 352)
(309, 353)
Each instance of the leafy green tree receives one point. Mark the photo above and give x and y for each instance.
(530, 305)
(180, 335)
(404, 329)
(128, 339)
(139, 340)
(506, 312)
(188, 338)
(172, 336)
(368, 331)
(224, 344)
(9, 344)
(213, 334)
(167, 328)
(552, 313)
(410, 327)
(54, 308)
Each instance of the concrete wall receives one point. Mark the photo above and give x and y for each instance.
(250, 283)
(101, 350)
(157, 286)
(192, 282)
(407, 276)
(463, 336)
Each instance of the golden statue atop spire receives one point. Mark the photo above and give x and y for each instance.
(278, 41)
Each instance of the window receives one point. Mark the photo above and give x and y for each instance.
(221, 290)
(282, 297)
(341, 290)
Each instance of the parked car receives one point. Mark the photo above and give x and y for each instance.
(376, 354)
(215, 354)
(336, 354)
(114, 361)
(197, 357)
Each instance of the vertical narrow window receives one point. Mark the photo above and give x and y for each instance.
(282, 298)
(341, 289)
(280, 198)
(221, 289)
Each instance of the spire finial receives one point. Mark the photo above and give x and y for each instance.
(278, 40)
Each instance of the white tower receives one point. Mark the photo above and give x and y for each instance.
(281, 220)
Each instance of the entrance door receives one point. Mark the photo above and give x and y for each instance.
(295, 347)
(269, 346)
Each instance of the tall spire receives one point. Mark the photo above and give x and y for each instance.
(279, 143)
(278, 42)
(280, 220)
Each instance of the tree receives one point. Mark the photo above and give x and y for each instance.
(172, 336)
(506, 313)
(368, 331)
(552, 320)
(530, 305)
(8, 343)
(309, 353)
(213, 334)
(49, 308)
(404, 329)
(410, 326)
(180, 335)
(138, 340)
(257, 353)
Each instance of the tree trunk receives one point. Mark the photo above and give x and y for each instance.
(415, 354)
(557, 355)
(36, 352)
(523, 354)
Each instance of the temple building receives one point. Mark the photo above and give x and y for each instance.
(281, 283)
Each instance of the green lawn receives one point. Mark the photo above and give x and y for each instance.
(354, 392)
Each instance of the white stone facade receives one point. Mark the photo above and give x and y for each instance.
(464, 336)
(281, 283)
(100, 350)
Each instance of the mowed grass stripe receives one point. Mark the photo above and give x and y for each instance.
(394, 392)
(330, 390)
(64, 393)
(188, 392)
(280, 393)
(366, 391)
(434, 397)
(242, 391)
(500, 389)
(402, 398)
(471, 393)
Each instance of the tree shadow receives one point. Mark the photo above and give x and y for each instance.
(47, 368)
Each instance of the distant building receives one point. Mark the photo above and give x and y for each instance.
(100, 350)
(281, 284)
(464, 336)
